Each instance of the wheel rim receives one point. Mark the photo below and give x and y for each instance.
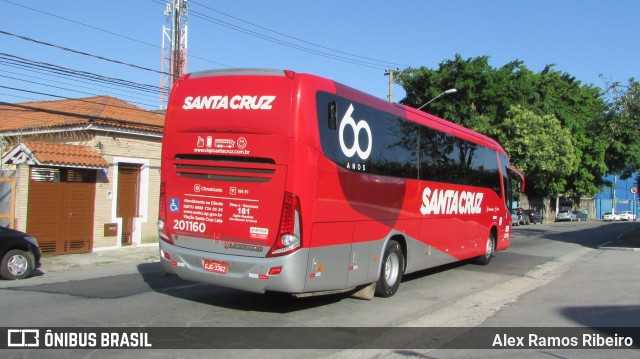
(489, 249)
(391, 269)
(18, 265)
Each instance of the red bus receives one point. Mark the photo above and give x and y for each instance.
(280, 181)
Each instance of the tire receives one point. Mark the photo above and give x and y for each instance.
(488, 252)
(391, 270)
(17, 264)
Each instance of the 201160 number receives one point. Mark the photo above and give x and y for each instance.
(191, 226)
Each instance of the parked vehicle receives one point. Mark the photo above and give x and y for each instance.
(610, 217)
(565, 215)
(19, 252)
(534, 216)
(627, 216)
(515, 219)
(523, 217)
(581, 216)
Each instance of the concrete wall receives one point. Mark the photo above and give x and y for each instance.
(131, 150)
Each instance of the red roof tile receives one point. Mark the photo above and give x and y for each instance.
(61, 155)
(103, 110)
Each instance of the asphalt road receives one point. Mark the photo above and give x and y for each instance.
(547, 264)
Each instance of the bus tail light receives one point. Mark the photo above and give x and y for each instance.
(163, 230)
(290, 230)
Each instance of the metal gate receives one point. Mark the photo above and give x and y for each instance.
(61, 209)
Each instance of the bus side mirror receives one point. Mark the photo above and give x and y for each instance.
(519, 174)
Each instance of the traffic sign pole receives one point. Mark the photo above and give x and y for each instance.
(634, 190)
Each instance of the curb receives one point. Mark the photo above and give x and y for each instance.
(68, 262)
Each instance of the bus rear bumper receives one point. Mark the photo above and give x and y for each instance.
(243, 273)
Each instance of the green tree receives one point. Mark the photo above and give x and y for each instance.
(540, 147)
(486, 95)
(579, 108)
(621, 128)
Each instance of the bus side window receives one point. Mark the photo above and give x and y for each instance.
(333, 116)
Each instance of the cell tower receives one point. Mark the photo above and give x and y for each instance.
(174, 47)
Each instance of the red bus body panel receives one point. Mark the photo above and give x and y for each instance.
(236, 141)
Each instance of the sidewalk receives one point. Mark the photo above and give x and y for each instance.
(124, 255)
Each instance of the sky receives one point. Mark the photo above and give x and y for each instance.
(351, 42)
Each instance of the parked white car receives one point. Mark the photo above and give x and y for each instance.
(610, 217)
(627, 216)
(565, 215)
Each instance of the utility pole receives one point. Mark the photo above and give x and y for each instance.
(174, 47)
(613, 194)
(390, 73)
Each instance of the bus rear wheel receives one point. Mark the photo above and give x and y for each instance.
(391, 271)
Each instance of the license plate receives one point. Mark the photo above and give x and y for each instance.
(217, 267)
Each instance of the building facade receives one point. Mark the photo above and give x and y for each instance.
(85, 172)
(624, 198)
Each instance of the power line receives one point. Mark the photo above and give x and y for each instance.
(106, 31)
(53, 77)
(285, 43)
(16, 96)
(80, 52)
(365, 61)
(375, 64)
(15, 61)
(382, 62)
(50, 70)
(74, 75)
(68, 89)
(31, 64)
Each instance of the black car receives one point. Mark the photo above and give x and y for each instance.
(534, 217)
(19, 252)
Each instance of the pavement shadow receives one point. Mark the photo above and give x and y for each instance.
(172, 285)
(584, 233)
(611, 321)
(613, 316)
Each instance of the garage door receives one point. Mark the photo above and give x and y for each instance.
(61, 208)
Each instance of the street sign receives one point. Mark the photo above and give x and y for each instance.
(634, 189)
